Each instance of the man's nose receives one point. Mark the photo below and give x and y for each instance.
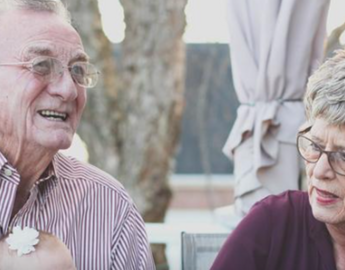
(64, 87)
(322, 169)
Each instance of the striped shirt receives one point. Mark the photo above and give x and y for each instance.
(86, 208)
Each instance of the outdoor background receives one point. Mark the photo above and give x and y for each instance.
(165, 104)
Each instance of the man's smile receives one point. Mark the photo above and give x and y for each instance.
(53, 115)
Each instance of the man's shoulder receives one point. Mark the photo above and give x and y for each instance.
(70, 169)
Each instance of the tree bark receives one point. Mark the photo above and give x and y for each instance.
(98, 119)
(152, 96)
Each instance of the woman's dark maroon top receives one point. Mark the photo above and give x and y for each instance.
(279, 233)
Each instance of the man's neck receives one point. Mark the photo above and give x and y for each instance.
(29, 161)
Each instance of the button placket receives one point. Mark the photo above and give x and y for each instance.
(26, 210)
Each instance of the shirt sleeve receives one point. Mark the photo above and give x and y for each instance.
(247, 247)
(131, 249)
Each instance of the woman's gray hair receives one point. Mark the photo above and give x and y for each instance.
(325, 95)
(53, 6)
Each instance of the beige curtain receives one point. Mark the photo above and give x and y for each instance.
(275, 45)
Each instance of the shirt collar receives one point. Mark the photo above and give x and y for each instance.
(45, 183)
(3, 160)
(7, 171)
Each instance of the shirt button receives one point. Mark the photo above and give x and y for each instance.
(8, 172)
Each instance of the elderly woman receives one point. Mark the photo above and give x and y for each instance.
(303, 230)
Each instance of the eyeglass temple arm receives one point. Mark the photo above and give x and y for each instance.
(14, 64)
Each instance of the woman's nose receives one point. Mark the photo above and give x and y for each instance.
(323, 169)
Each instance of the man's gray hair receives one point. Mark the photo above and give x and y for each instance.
(53, 6)
(325, 96)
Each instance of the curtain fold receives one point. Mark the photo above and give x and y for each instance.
(274, 46)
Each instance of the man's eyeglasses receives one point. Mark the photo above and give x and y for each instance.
(50, 69)
(311, 152)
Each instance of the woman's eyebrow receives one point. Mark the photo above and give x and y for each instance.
(335, 146)
(316, 139)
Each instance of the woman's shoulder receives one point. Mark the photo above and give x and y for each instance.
(289, 199)
(288, 207)
(275, 213)
(264, 232)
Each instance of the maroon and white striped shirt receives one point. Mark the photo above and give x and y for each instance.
(86, 208)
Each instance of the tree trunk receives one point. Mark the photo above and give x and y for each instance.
(152, 100)
(96, 127)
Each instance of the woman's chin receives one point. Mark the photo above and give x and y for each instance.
(330, 214)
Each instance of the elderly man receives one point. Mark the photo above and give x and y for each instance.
(44, 73)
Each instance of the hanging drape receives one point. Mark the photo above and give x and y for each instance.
(274, 45)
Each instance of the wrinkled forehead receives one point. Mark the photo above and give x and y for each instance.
(26, 32)
(52, 49)
(328, 134)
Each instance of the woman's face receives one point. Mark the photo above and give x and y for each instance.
(326, 188)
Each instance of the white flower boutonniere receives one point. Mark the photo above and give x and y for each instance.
(23, 240)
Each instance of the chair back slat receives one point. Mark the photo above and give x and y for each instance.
(199, 250)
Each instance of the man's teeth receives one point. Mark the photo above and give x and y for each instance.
(53, 115)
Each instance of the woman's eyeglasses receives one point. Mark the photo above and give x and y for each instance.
(311, 152)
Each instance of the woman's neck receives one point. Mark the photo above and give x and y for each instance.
(337, 234)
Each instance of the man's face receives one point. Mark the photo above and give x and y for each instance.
(32, 111)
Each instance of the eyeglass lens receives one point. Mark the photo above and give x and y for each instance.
(311, 152)
(84, 74)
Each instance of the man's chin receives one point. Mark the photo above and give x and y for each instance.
(56, 143)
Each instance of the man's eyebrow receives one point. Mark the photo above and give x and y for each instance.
(37, 50)
(49, 51)
(79, 57)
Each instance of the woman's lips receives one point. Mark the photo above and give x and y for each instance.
(325, 197)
